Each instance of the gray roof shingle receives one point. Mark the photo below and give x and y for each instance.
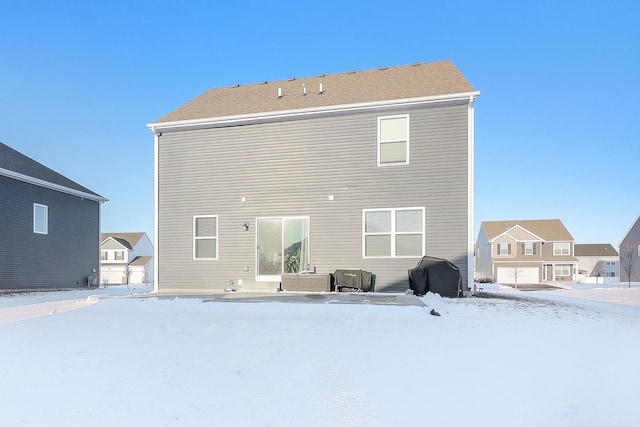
(14, 161)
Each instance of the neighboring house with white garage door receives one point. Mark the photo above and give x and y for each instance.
(525, 252)
(126, 258)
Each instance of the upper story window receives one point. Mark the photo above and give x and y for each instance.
(40, 219)
(104, 255)
(561, 248)
(118, 255)
(504, 248)
(528, 248)
(395, 232)
(393, 140)
(205, 237)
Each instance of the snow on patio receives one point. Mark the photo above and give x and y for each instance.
(537, 359)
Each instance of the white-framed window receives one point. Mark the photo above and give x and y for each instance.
(393, 140)
(638, 250)
(104, 255)
(562, 269)
(40, 219)
(118, 255)
(393, 232)
(528, 248)
(205, 237)
(504, 248)
(561, 248)
(611, 263)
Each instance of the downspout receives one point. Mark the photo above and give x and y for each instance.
(470, 186)
(156, 187)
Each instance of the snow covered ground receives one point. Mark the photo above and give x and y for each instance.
(102, 358)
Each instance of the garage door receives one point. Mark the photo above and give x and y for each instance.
(507, 275)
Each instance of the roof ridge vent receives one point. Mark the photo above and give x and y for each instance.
(382, 68)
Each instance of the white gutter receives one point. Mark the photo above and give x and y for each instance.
(181, 124)
(46, 184)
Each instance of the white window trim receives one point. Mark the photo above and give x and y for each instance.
(561, 267)
(406, 162)
(560, 245)
(528, 253)
(46, 218)
(393, 233)
(195, 217)
(508, 252)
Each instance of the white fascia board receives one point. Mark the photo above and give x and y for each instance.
(506, 233)
(51, 186)
(200, 123)
(111, 238)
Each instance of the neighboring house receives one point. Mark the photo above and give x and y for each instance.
(597, 260)
(630, 254)
(126, 258)
(525, 252)
(49, 226)
(365, 170)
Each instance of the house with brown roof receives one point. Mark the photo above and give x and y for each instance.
(597, 260)
(126, 258)
(366, 170)
(49, 227)
(525, 252)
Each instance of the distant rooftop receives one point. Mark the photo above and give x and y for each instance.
(547, 229)
(594, 249)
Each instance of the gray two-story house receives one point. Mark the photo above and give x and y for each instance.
(49, 226)
(365, 170)
(630, 254)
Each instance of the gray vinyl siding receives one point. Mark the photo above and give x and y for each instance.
(630, 242)
(290, 169)
(64, 257)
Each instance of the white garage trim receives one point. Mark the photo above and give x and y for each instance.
(508, 275)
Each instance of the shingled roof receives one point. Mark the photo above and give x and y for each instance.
(128, 240)
(594, 249)
(547, 229)
(18, 166)
(382, 84)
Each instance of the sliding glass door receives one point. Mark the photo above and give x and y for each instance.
(282, 246)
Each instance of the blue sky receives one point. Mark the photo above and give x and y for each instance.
(557, 120)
